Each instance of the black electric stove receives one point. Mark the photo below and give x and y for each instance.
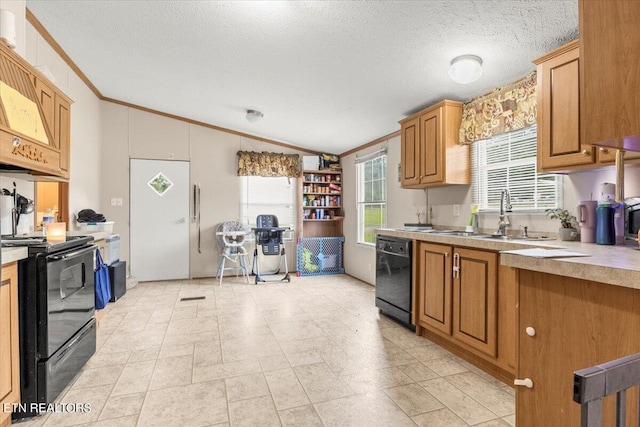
(56, 296)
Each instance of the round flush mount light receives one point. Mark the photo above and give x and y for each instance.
(254, 116)
(465, 69)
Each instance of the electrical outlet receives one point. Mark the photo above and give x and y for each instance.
(119, 202)
(113, 201)
(456, 210)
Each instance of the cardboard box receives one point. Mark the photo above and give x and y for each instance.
(311, 163)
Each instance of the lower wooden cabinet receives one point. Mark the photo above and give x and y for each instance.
(466, 302)
(568, 324)
(9, 351)
(475, 299)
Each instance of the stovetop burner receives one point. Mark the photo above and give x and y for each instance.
(39, 244)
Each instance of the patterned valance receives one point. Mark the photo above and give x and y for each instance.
(504, 109)
(251, 163)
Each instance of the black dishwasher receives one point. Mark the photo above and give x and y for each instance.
(393, 278)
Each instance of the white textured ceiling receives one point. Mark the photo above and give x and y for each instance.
(328, 75)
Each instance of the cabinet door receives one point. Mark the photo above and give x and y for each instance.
(608, 155)
(9, 352)
(475, 299)
(46, 96)
(559, 144)
(431, 161)
(62, 132)
(434, 284)
(609, 40)
(577, 324)
(410, 147)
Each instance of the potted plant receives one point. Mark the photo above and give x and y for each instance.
(567, 231)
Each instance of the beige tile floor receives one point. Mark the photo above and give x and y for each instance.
(311, 352)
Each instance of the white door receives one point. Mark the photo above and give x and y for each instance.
(159, 219)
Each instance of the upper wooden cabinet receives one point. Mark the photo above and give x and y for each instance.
(561, 145)
(431, 155)
(609, 64)
(9, 351)
(48, 155)
(558, 94)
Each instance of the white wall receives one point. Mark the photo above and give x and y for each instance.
(401, 204)
(132, 133)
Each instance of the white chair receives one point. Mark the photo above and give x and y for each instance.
(231, 237)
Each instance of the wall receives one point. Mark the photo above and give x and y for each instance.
(402, 204)
(132, 133)
(84, 181)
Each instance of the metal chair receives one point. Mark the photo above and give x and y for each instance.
(269, 237)
(591, 385)
(231, 239)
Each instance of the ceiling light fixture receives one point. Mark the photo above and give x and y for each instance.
(254, 116)
(465, 69)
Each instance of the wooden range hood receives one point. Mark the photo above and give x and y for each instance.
(45, 159)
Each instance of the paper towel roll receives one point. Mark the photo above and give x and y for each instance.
(8, 28)
(6, 204)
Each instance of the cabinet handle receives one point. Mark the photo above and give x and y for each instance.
(456, 266)
(525, 382)
(604, 150)
(446, 254)
(530, 331)
(586, 152)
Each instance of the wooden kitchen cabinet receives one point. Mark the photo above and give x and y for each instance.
(56, 109)
(430, 153)
(48, 155)
(475, 299)
(9, 351)
(434, 279)
(561, 118)
(609, 61)
(471, 309)
(558, 98)
(576, 324)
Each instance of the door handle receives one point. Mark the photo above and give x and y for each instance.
(456, 265)
(525, 382)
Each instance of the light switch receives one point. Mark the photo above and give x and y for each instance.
(119, 202)
(113, 201)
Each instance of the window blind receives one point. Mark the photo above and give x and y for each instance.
(268, 195)
(509, 161)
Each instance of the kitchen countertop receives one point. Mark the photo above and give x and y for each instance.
(10, 255)
(615, 265)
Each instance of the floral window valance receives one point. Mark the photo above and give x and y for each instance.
(251, 163)
(505, 109)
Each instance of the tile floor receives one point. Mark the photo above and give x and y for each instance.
(310, 353)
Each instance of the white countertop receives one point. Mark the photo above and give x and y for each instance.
(615, 265)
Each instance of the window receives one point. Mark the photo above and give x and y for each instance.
(509, 161)
(268, 195)
(372, 197)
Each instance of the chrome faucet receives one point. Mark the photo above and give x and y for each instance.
(505, 206)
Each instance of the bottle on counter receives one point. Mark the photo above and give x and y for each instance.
(605, 224)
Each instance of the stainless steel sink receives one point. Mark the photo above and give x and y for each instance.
(459, 233)
(519, 238)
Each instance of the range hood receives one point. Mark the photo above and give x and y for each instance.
(31, 112)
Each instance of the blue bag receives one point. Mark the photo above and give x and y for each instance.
(103, 285)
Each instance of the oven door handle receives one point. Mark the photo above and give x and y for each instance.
(404, 255)
(71, 254)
